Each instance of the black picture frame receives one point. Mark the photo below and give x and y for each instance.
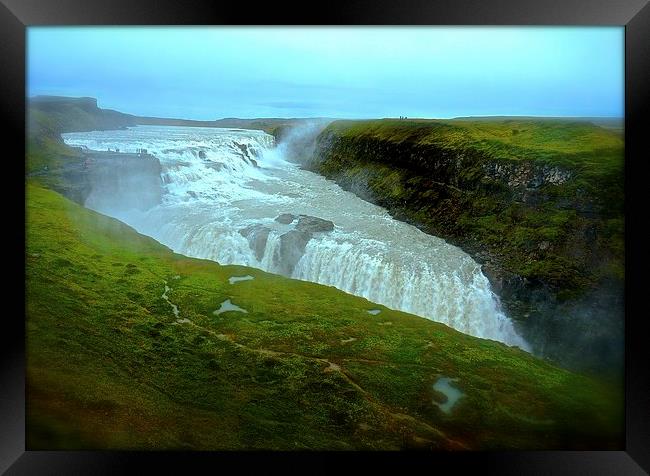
(16, 15)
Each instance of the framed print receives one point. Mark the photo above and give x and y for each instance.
(391, 235)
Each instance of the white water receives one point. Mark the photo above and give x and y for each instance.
(213, 190)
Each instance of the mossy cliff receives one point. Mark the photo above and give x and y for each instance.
(538, 202)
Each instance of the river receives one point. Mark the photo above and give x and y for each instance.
(223, 190)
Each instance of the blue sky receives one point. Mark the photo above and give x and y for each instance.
(362, 72)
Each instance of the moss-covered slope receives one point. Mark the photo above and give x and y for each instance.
(111, 365)
(538, 202)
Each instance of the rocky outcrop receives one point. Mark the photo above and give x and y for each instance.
(311, 224)
(292, 242)
(257, 236)
(292, 247)
(285, 218)
(247, 153)
(526, 174)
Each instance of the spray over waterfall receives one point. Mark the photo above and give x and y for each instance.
(230, 196)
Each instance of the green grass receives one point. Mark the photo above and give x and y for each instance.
(593, 150)
(108, 365)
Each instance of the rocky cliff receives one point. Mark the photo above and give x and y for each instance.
(538, 203)
(82, 174)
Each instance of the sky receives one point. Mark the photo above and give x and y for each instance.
(209, 73)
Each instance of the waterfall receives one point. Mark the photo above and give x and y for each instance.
(229, 196)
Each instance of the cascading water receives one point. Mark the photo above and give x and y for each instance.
(230, 197)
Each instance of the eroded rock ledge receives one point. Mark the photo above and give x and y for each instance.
(292, 242)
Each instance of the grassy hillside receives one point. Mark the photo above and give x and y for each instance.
(111, 365)
(51, 115)
(594, 153)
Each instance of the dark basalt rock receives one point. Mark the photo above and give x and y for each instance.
(247, 153)
(313, 224)
(285, 218)
(218, 166)
(292, 247)
(243, 150)
(257, 236)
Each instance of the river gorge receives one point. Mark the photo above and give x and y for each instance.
(231, 196)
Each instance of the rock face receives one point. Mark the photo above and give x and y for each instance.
(292, 243)
(527, 174)
(247, 153)
(257, 236)
(292, 247)
(311, 224)
(285, 218)
(548, 240)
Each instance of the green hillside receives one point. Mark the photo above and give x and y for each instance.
(111, 365)
(596, 153)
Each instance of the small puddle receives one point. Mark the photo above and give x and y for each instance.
(443, 386)
(345, 341)
(228, 306)
(374, 312)
(236, 279)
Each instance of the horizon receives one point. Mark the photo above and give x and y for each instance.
(331, 118)
(342, 72)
